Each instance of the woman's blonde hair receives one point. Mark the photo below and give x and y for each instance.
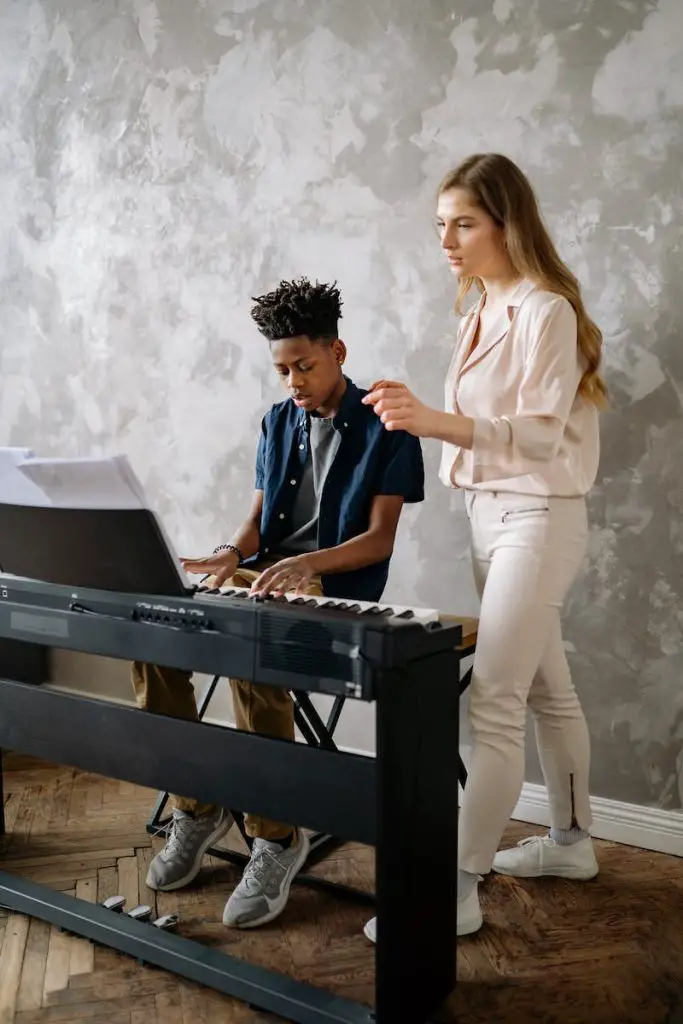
(500, 188)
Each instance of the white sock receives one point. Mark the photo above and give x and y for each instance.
(568, 836)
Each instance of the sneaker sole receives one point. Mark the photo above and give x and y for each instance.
(575, 874)
(217, 834)
(463, 928)
(281, 901)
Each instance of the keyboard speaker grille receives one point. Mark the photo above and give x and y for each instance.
(308, 647)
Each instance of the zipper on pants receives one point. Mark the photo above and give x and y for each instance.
(522, 511)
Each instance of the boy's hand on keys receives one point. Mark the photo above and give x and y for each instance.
(288, 574)
(221, 566)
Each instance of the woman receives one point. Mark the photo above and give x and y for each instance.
(520, 438)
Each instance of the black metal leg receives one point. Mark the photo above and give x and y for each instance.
(2, 801)
(156, 820)
(465, 681)
(462, 771)
(206, 696)
(304, 728)
(335, 714)
(305, 705)
(417, 822)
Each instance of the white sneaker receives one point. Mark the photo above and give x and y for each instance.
(469, 917)
(540, 855)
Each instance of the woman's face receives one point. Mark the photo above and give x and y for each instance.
(474, 244)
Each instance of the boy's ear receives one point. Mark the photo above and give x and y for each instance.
(339, 350)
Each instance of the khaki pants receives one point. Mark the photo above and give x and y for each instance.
(267, 710)
(526, 552)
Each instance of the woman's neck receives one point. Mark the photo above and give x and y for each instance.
(499, 289)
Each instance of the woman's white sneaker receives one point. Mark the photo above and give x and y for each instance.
(539, 856)
(470, 917)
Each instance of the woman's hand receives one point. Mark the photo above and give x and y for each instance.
(399, 409)
(293, 573)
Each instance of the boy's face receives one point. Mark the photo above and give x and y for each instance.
(311, 371)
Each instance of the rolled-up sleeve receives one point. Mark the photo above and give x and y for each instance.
(504, 446)
(401, 471)
(260, 481)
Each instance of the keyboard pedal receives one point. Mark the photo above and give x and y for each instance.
(167, 923)
(115, 903)
(141, 913)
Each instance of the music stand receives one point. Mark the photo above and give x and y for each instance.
(123, 550)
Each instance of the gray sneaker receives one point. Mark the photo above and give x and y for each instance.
(179, 862)
(263, 890)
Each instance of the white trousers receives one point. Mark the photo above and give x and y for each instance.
(526, 552)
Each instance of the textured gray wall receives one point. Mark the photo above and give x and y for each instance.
(162, 162)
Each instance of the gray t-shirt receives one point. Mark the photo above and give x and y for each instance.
(323, 444)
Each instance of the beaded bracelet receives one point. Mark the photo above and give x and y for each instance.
(229, 547)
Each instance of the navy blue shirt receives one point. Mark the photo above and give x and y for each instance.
(369, 461)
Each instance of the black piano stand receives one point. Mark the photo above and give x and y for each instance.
(403, 802)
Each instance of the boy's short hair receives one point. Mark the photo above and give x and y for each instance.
(298, 308)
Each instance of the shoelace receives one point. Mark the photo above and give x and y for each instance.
(262, 859)
(178, 834)
(536, 840)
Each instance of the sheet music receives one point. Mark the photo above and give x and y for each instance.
(85, 482)
(15, 487)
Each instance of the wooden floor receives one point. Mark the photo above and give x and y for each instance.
(610, 950)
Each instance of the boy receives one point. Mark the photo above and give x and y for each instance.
(330, 486)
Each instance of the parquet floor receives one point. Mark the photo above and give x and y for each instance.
(606, 952)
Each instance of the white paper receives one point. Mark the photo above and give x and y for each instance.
(84, 483)
(15, 487)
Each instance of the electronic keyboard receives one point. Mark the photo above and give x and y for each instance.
(315, 644)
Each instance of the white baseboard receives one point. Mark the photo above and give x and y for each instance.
(646, 827)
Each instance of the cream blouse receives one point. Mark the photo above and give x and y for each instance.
(533, 433)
